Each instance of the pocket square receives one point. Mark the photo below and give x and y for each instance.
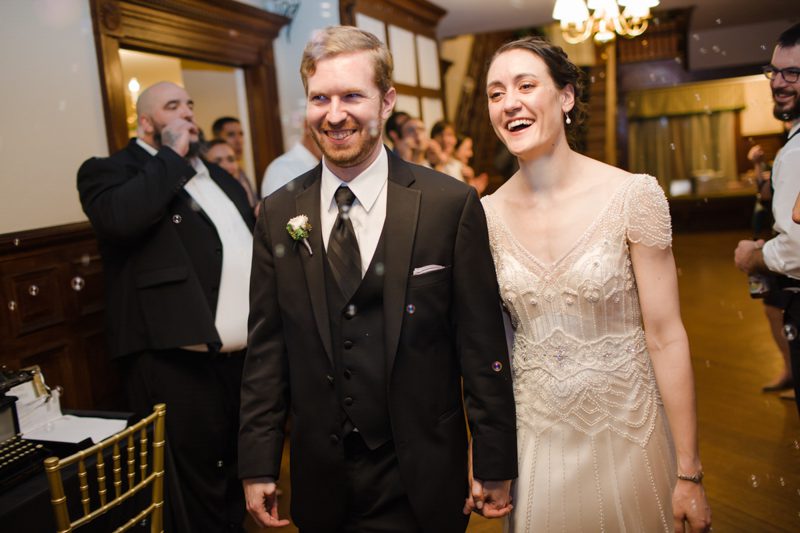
(427, 268)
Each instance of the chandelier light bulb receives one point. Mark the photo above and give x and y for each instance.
(605, 20)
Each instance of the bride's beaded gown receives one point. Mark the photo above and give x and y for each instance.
(595, 453)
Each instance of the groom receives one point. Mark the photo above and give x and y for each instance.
(366, 330)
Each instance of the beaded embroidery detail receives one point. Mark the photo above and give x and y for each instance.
(579, 353)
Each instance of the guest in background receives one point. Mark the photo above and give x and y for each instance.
(221, 153)
(775, 301)
(303, 156)
(394, 126)
(412, 146)
(229, 129)
(781, 254)
(464, 153)
(442, 148)
(175, 237)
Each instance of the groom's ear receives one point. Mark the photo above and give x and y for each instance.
(388, 101)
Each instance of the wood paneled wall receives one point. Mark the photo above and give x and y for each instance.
(52, 313)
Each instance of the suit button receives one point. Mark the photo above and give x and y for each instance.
(330, 379)
(348, 401)
(334, 438)
(348, 344)
(350, 312)
(347, 373)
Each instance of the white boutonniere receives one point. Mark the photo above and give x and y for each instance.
(299, 229)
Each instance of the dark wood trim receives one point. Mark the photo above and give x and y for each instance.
(418, 16)
(217, 31)
(419, 92)
(35, 239)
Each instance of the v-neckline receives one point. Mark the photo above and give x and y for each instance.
(549, 267)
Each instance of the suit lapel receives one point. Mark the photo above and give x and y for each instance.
(400, 227)
(307, 203)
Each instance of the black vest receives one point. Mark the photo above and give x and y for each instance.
(357, 334)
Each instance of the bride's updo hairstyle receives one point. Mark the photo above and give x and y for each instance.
(563, 71)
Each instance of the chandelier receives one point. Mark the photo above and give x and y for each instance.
(577, 24)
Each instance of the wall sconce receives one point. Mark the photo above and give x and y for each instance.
(133, 90)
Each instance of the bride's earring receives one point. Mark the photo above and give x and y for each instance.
(567, 119)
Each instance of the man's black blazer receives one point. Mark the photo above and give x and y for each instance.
(162, 256)
(439, 326)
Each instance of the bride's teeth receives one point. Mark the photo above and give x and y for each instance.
(517, 123)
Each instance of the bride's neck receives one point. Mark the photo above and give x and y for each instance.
(550, 171)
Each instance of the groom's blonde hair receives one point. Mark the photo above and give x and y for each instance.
(337, 40)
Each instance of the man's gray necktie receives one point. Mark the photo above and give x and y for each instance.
(344, 256)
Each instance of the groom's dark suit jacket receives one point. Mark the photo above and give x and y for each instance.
(162, 256)
(453, 330)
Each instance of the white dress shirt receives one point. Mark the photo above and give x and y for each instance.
(782, 253)
(233, 301)
(287, 167)
(368, 212)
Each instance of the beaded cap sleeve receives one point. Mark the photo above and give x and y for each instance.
(647, 211)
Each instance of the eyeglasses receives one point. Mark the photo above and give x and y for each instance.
(790, 75)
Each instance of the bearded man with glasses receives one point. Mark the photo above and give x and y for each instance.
(781, 254)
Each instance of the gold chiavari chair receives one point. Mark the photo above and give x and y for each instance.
(125, 439)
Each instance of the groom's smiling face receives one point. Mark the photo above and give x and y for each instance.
(346, 110)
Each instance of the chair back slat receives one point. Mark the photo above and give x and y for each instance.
(83, 482)
(154, 481)
(131, 462)
(102, 491)
(117, 469)
(143, 453)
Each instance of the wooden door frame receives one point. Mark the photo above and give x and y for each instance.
(215, 31)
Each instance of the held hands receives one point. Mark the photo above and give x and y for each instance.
(262, 502)
(491, 499)
(178, 134)
(689, 505)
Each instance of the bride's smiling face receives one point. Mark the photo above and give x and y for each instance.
(526, 107)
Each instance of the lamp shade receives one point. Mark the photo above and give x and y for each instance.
(570, 11)
(638, 4)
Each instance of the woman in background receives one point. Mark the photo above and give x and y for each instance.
(463, 153)
(602, 375)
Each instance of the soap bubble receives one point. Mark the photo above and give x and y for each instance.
(77, 283)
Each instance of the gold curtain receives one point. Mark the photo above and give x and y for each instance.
(688, 99)
(680, 132)
(680, 147)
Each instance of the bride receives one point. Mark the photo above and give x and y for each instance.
(602, 375)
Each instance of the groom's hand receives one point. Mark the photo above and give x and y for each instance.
(491, 499)
(262, 501)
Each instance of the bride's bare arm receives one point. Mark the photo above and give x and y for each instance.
(668, 345)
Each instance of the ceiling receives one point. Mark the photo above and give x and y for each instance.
(479, 16)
